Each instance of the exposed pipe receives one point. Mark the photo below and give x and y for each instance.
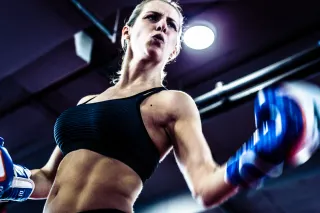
(230, 95)
(112, 36)
(97, 23)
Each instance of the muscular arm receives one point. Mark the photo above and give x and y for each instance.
(204, 177)
(43, 178)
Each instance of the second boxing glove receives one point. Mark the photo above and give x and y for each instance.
(15, 182)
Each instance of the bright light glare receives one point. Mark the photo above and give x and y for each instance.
(181, 203)
(199, 37)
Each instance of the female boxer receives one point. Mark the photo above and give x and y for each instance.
(111, 143)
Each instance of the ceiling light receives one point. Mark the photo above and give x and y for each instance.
(199, 37)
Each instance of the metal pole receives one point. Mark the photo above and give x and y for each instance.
(97, 22)
(259, 77)
(249, 93)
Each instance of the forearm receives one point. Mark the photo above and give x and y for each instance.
(213, 189)
(42, 182)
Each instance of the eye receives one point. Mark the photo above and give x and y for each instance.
(172, 25)
(152, 18)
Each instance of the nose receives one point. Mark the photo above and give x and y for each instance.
(162, 26)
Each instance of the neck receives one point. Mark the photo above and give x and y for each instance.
(140, 73)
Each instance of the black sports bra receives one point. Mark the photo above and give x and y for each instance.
(113, 128)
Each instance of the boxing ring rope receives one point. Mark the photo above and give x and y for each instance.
(300, 65)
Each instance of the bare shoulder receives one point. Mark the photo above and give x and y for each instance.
(86, 98)
(180, 103)
(179, 97)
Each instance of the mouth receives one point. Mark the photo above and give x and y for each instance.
(159, 37)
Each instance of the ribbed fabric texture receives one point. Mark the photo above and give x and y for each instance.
(103, 211)
(113, 128)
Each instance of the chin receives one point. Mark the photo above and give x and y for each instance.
(154, 51)
(155, 55)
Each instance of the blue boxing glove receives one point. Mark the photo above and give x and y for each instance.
(287, 118)
(15, 182)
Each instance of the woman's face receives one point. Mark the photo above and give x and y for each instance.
(155, 34)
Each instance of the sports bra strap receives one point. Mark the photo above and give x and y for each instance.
(89, 99)
(141, 96)
(149, 92)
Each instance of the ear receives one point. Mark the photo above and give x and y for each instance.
(125, 32)
(174, 54)
(125, 35)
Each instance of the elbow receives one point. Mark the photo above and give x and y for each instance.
(48, 175)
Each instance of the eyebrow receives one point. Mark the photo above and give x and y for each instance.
(157, 13)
